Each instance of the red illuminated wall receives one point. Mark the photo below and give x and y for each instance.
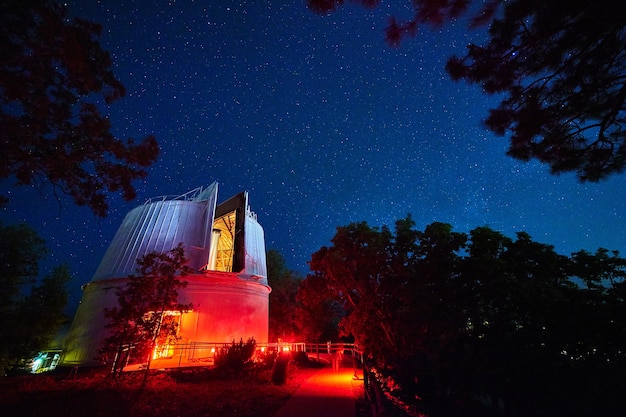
(226, 307)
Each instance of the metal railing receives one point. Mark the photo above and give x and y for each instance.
(179, 355)
(203, 354)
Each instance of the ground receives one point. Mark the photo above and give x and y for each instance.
(180, 393)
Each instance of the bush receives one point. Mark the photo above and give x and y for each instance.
(236, 357)
(302, 360)
(266, 360)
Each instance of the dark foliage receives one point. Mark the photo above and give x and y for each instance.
(326, 6)
(236, 358)
(139, 320)
(284, 284)
(302, 360)
(21, 249)
(54, 80)
(316, 315)
(188, 392)
(447, 318)
(31, 309)
(560, 70)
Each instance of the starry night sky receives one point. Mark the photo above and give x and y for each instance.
(322, 122)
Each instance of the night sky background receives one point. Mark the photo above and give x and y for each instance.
(322, 122)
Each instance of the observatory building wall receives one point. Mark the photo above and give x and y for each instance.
(229, 304)
(226, 308)
(158, 227)
(88, 332)
(255, 263)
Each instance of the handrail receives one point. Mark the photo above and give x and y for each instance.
(188, 196)
(204, 353)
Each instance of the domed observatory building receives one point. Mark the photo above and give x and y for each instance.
(225, 247)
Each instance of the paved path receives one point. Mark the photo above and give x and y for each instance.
(327, 393)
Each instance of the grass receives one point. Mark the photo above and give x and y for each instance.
(191, 392)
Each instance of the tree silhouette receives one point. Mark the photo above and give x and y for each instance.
(54, 80)
(284, 284)
(318, 311)
(448, 317)
(139, 320)
(352, 270)
(560, 70)
(31, 311)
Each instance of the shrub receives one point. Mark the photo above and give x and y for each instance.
(302, 360)
(236, 357)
